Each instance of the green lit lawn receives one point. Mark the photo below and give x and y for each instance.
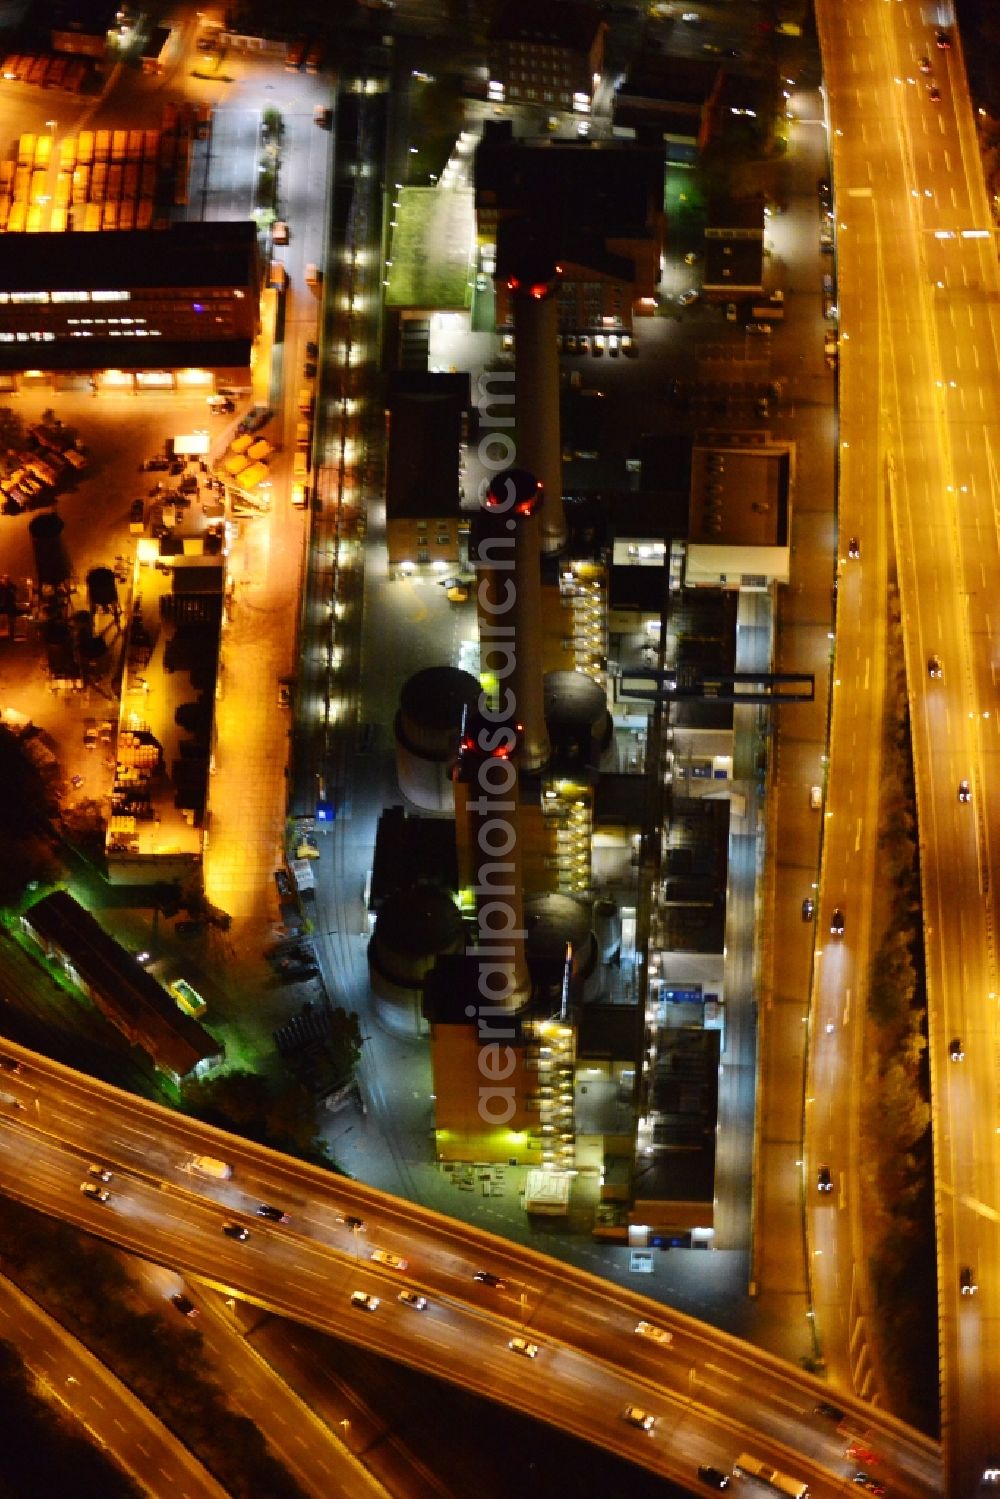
(429, 250)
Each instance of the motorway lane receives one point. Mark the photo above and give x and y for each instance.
(940, 403)
(309, 1269)
(69, 1375)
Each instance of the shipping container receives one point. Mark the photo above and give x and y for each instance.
(43, 152)
(115, 174)
(169, 118)
(98, 182)
(236, 464)
(85, 148)
(252, 476)
(64, 189)
(6, 176)
(26, 150)
(259, 450)
(22, 182)
(126, 214)
(130, 180)
(81, 184)
(134, 152)
(33, 222)
(119, 145)
(56, 75)
(150, 145)
(147, 182)
(16, 217)
(4, 209)
(58, 221)
(109, 217)
(75, 75)
(144, 214)
(39, 181)
(92, 217)
(102, 145)
(67, 153)
(241, 443)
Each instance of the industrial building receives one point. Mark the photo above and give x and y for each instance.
(137, 300)
(601, 204)
(119, 986)
(426, 417)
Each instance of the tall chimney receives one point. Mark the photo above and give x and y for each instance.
(488, 839)
(532, 279)
(506, 551)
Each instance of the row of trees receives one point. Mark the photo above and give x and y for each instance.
(896, 1122)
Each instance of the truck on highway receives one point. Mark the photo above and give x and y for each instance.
(210, 1165)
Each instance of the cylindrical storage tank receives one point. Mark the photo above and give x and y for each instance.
(412, 930)
(576, 712)
(427, 729)
(554, 924)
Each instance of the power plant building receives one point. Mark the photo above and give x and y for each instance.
(426, 416)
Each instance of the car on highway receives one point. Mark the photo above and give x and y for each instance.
(523, 1347)
(413, 1299)
(99, 1173)
(93, 1191)
(859, 1453)
(808, 908)
(654, 1333)
(942, 40)
(284, 695)
(868, 1483)
(8, 1064)
(854, 549)
(924, 64)
(831, 1412)
(363, 1301)
(964, 791)
(967, 1281)
(713, 1477)
(389, 1260)
(487, 1278)
(815, 797)
(837, 923)
(356, 1225)
(689, 297)
(274, 1214)
(824, 1181)
(636, 1416)
(955, 1051)
(933, 93)
(583, 343)
(934, 667)
(184, 1304)
(569, 343)
(236, 1231)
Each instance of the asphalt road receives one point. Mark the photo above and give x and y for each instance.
(112, 1416)
(919, 305)
(712, 1394)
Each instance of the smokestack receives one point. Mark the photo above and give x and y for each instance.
(506, 551)
(533, 278)
(488, 839)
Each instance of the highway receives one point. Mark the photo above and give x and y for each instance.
(70, 1375)
(713, 1395)
(919, 301)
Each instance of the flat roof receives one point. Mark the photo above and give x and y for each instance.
(212, 253)
(124, 353)
(425, 431)
(173, 1039)
(553, 23)
(610, 187)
